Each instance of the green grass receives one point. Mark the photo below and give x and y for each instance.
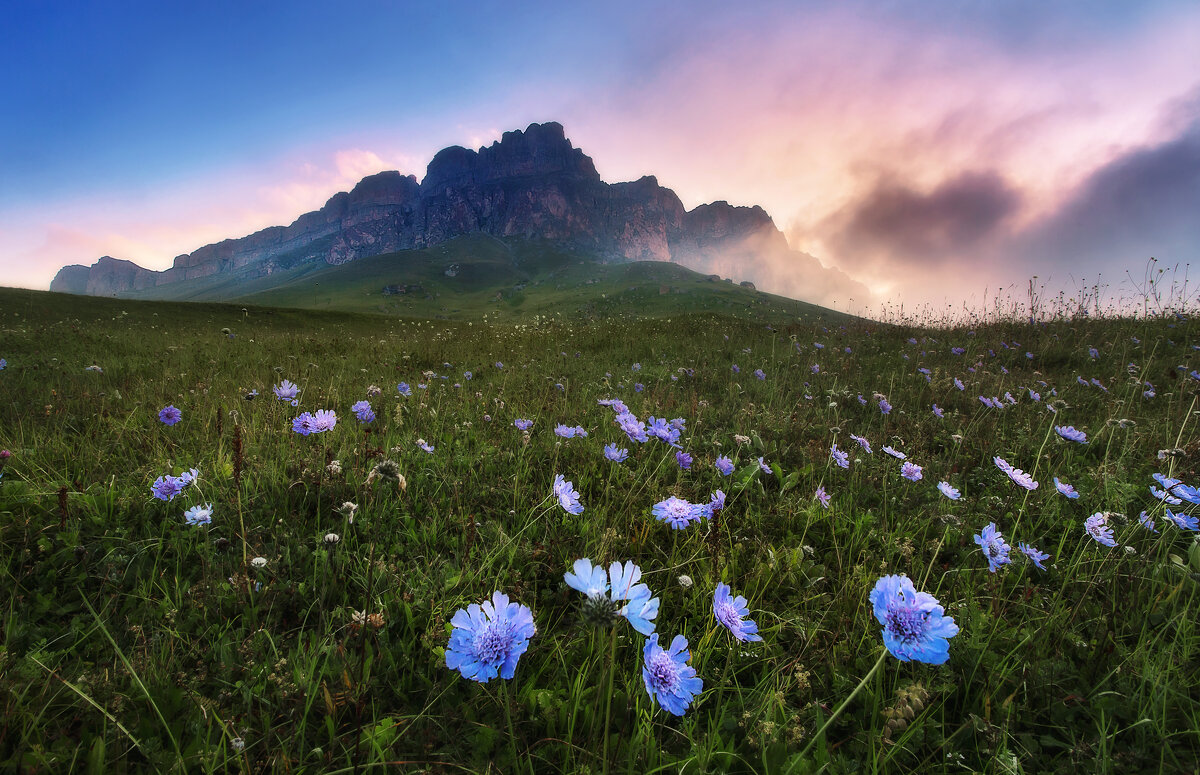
(132, 641)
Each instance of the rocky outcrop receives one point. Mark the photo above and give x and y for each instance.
(531, 184)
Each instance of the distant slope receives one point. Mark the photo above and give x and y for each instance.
(470, 277)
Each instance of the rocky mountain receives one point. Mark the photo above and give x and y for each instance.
(531, 184)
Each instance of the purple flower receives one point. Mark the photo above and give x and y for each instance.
(169, 415)
(822, 496)
(615, 454)
(862, 442)
(683, 459)
(1070, 434)
(731, 612)
(958, 383)
(199, 515)
(488, 640)
(638, 387)
(1145, 521)
(303, 424)
(1097, 527)
(362, 410)
(632, 427)
(165, 488)
(1034, 554)
(841, 458)
(403, 389)
(1182, 521)
(716, 502)
(995, 549)
(949, 491)
(884, 406)
(1065, 488)
(523, 424)
(286, 391)
(324, 420)
(676, 512)
(759, 373)
(766, 469)
(895, 453)
(564, 431)
(915, 626)
(937, 412)
(724, 465)
(815, 368)
(911, 471)
(426, 446)
(735, 369)
(669, 680)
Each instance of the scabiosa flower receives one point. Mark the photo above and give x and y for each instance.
(669, 680)
(862, 442)
(766, 469)
(1034, 554)
(663, 430)
(633, 427)
(1147, 522)
(716, 502)
(601, 608)
(1069, 433)
(638, 387)
(489, 640)
(1065, 488)
(911, 472)
(884, 406)
(286, 391)
(895, 453)
(303, 424)
(564, 431)
(683, 459)
(403, 389)
(499, 365)
(1097, 527)
(615, 454)
(165, 488)
(676, 512)
(199, 515)
(735, 369)
(937, 411)
(822, 496)
(568, 496)
(523, 424)
(958, 383)
(724, 465)
(759, 373)
(169, 415)
(841, 458)
(994, 547)
(949, 491)
(915, 626)
(3, 364)
(425, 446)
(362, 410)
(1182, 521)
(730, 611)
(323, 420)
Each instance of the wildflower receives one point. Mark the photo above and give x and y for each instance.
(632, 427)
(1033, 554)
(914, 623)
(815, 368)
(958, 383)
(489, 639)
(199, 515)
(1070, 434)
(286, 391)
(169, 415)
(862, 442)
(735, 369)
(1002, 464)
(362, 410)
(3, 364)
(303, 424)
(638, 387)
(937, 412)
(895, 453)
(403, 389)
(622, 580)
(884, 406)
(1147, 522)
(1093, 353)
(614, 454)
(676, 512)
(822, 496)
(995, 549)
(259, 562)
(724, 465)
(499, 365)
(425, 446)
(1017, 475)
(685, 581)
(683, 459)
(731, 612)
(1182, 521)
(911, 471)
(766, 469)
(759, 373)
(323, 420)
(332, 538)
(522, 424)
(841, 458)
(1097, 527)
(94, 368)
(165, 488)
(949, 491)
(564, 431)
(467, 375)
(661, 429)
(1065, 488)
(716, 502)
(669, 680)
(861, 401)
(568, 496)
(741, 440)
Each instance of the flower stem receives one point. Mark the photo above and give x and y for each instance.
(612, 668)
(845, 702)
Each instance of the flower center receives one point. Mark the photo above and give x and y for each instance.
(906, 624)
(728, 616)
(664, 673)
(491, 642)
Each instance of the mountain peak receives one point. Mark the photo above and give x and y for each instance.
(540, 150)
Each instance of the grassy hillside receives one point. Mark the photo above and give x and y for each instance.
(472, 277)
(305, 627)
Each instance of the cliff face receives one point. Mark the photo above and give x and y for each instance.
(527, 184)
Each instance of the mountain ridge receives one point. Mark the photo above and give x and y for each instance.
(532, 183)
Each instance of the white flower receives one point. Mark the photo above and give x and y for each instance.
(259, 562)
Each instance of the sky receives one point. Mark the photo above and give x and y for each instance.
(920, 154)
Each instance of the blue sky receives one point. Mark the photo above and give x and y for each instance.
(145, 130)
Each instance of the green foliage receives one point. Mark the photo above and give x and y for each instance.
(132, 641)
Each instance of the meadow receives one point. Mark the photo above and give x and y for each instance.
(302, 624)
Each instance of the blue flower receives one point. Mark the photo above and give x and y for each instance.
(949, 491)
(286, 391)
(564, 431)
(362, 410)
(884, 406)
(165, 488)
(638, 387)
(567, 496)
(1065, 488)
(822, 496)
(724, 465)
(1069, 433)
(731, 612)
(1097, 527)
(1182, 521)
(911, 471)
(303, 424)
(425, 445)
(915, 626)
(1033, 554)
(937, 411)
(633, 427)
(683, 459)
(669, 679)
(716, 502)
(489, 640)
(894, 452)
(862, 442)
(622, 580)
(523, 424)
(759, 373)
(3, 364)
(404, 389)
(995, 549)
(169, 415)
(1147, 522)
(614, 454)
(676, 512)
(841, 458)
(199, 515)
(766, 469)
